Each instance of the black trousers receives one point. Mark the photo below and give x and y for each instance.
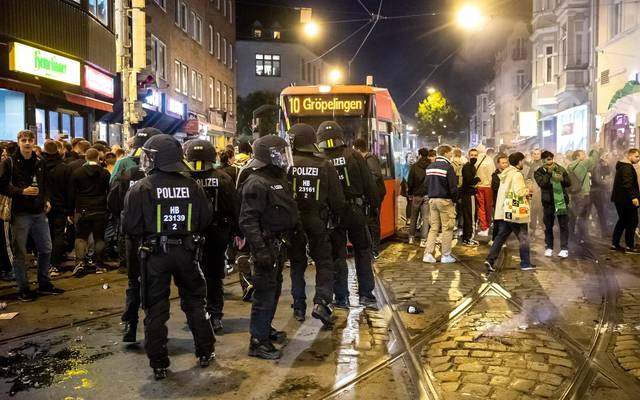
(267, 284)
(160, 268)
(627, 224)
(213, 268)
(548, 217)
(600, 201)
(317, 236)
(354, 226)
(467, 204)
(93, 223)
(244, 265)
(578, 216)
(132, 301)
(57, 224)
(374, 228)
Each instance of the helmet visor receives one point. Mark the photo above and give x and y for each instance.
(281, 157)
(147, 160)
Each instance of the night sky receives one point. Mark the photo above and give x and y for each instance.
(400, 53)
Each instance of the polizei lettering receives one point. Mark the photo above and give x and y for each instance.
(339, 161)
(208, 182)
(305, 171)
(173, 193)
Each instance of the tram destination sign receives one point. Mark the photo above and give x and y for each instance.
(320, 105)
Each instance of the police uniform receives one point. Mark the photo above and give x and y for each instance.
(128, 245)
(167, 211)
(268, 214)
(222, 193)
(361, 194)
(318, 193)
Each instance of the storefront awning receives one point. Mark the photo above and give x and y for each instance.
(628, 105)
(88, 102)
(19, 86)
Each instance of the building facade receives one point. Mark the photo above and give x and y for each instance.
(57, 82)
(189, 83)
(618, 90)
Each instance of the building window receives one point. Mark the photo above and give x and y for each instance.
(197, 28)
(218, 99)
(267, 64)
(277, 35)
(224, 97)
(218, 4)
(224, 51)
(199, 83)
(161, 3)
(224, 4)
(211, 91)
(519, 50)
(230, 10)
(193, 84)
(218, 45)
(177, 66)
(548, 64)
(520, 80)
(231, 101)
(158, 57)
(230, 56)
(100, 9)
(184, 17)
(616, 17)
(564, 49)
(257, 33)
(210, 39)
(185, 80)
(177, 13)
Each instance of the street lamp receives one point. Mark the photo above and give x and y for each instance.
(335, 75)
(311, 29)
(469, 17)
(431, 90)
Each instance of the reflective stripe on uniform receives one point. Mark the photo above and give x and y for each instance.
(346, 176)
(189, 217)
(158, 218)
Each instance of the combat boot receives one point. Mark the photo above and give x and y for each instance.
(277, 336)
(324, 314)
(263, 349)
(129, 333)
(159, 373)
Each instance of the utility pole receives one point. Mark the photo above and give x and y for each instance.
(131, 58)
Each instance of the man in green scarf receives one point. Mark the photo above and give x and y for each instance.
(554, 181)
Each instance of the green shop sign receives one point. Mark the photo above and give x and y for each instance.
(34, 61)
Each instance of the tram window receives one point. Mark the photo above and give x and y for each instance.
(385, 156)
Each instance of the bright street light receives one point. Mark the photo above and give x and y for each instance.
(433, 132)
(469, 17)
(431, 90)
(311, 29)
(335, 75)
(440, 120)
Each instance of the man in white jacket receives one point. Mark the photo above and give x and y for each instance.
(484, 195)
(512, 181)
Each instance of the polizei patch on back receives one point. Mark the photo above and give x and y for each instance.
(172, 193)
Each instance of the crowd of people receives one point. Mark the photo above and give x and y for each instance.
(164, 210)
(449, 195)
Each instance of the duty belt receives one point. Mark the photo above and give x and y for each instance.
(356, 201)
(161, 243)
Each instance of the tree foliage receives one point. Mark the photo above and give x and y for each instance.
(247, 105)
(436, 114)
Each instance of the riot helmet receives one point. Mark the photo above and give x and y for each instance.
(303, 138)
(200, 154)
(330, 135)
(164, 153)
(271, 150)
(142, 135)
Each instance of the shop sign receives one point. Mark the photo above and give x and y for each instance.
(34, 61)
(175, 107)
(528, 123)
(98, 82)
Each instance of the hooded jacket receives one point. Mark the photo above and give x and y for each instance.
(58, 173)
(511, 179)
(417, 175)
(625, 184)
(88, 188)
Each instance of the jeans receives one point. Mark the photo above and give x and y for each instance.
(442, 214)
(484, 200)
(563, 224)
(467, 207)
(599, 200)
(627, 223)
(35, 226)
(419, 206)
(505, 228)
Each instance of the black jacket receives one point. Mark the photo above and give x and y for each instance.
(316, 185)
(415, 181)
(625, 184)
(221, 191)
(543, 179)
(495, 183)
(78, 162)
(71, 156)
(357, 180)
(119, 188)
(58, 174)
(376, 170)
(88, 188)
(599, 175)
(17, 174)
(469, 179)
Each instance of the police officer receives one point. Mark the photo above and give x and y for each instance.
(268, 215)
(361, 194)
(318, 192)
(128, 245)
(222, 193)
(168, 210)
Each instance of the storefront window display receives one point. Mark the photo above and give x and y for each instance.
(572, 129)
(11, 114)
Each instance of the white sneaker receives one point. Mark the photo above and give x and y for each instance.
(447, 259)
(563, 254)
(428, 258)
(490, 243)
(411, 239)
(423, 243)
(484, 233)
(549, 253)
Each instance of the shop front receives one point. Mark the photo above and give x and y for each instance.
(572, 129)
(619, 124)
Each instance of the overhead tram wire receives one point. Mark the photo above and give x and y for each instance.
(339, 43)
(376, 19)
(365, 7)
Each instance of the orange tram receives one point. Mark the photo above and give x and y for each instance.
(363, 112)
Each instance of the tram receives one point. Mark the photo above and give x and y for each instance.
(366, 112)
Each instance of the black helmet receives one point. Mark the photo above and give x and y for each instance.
(164, 153)
(330, 135)
(304, 138)
(271, 150)
(142, 135)
(200, 153)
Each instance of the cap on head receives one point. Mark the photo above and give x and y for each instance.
(200, 153)
(144, 134)
(304, 138)
(166, 153)
(263, 149)
(330, 135)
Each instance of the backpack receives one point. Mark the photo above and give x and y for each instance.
(576, 183)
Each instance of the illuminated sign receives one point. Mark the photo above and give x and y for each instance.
(153, 99)
(175, 107)
(98, 82)
(23, 58)
(320, 105)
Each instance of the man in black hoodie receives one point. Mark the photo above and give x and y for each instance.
(58, 174)
(626, 197)
(88, 190)
(81, 149)
(468, 198)
(22, 178)
(417, 192)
